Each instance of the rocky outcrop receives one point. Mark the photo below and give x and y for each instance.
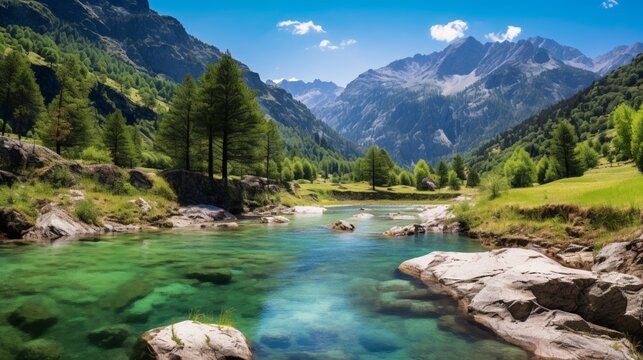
(535, 303)
(625, 257)
(342, 226)
(13, 223)
(7, 178)
(106, 174)
(437, 218)
(57, 224)
(140, 180)
(194, 188)
(428, 184)
(17, 156)
(274, 220)
(193, 340)
(199, 216)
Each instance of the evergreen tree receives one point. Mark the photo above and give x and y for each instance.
(376, 166)
(307, 168)
(118, 139)
(563, 143)
(421, 171)
(70, 118)
(637, 139)
(473, 178)
(519, 169)
(176, 132)
(298, 170)
(457, 165)
(443, 174)
(20, 100)
(622, 118)
(541, 169)
(273, 149)
(207, 111)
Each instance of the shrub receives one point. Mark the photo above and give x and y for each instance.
(87, 212)
(494, 184)
(454, 180)
(520, 170)
(587, 156)
(405, 178)
(60, 177)
(121, 187)
(94, 155)
(613, 219)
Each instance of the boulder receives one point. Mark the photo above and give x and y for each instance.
(106, 174)
(407, 230)
(7, 178)
(306, 210)
(13, 223)
(536, 303)
(255, 185)
(40, 349)
(194, 188)
(576, 256)
(17, 156)
(57, 224)
(363, 216)
(428, 184)
(109, 337)
(625, 257)
(142, 204)
(198, 215)
(343, 226)
(140, 180)
(274, 220)
(398, 216)
(33, 317)
(193, 340)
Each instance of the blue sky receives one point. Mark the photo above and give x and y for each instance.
(337, 40)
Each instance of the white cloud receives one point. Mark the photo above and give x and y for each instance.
(328, 45)
(510, 34)
(300, 28)
(277, 81)
(449, 32)
(608, 4)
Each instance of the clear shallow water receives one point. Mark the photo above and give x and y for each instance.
(299, 291)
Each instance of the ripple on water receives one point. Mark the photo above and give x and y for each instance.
(298, 291)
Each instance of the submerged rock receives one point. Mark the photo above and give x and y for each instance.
(536, 303)
(13, 223)
(192, 340)
(40, 349)
(376, 341)
(625, 257)
(110, 336)
(343, 226)
(276, 341)
(33, 317)
(214, 276)
(363, 216)
(274, 220)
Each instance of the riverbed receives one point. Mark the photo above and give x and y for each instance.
(298, 290)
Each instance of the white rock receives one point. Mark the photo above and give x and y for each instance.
(189, 340)
(535, 303)
(304, 210)
(398, 216)
(274, 220)
(57, 224)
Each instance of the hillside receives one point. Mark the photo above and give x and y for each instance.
(135, 47)
(588, 111)
(430, 106)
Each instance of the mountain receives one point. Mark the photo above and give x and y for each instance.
(160, 47)
(315, 95)
(430, 106)
(588, 111)
(601, 65)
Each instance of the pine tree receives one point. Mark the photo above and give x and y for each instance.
(118, 139)
(376, 166)
(207, 116)
(70, 117)
(176, 132)
(454, 181)
(443, 174)
(457, 165)
(473, 178)
(21, 102)
(563, 144)
(273, 149)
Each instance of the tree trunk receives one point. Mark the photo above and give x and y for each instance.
(373, 170)
(224, 157)
(210, 155)
(268, 159)
(187, 142)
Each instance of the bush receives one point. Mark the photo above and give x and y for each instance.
(473, 179)
(454, 181)
(87, 212)
(520, 170)
(494, 184)
(405, 178)
(94, 155)
(60, 177)
(121, 187)
(587, 156)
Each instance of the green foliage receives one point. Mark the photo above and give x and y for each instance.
(87, 212)
(287, 174)
(563, 147)
(443, 174)
(494, 185)
(454, 180)
(121, 187)
(226, 317)
(622, 118)
(420, 172)
(308, 171)
(118, 139)
(21, 103)
(155, 160)
(473, 178)
(162, 188)
(273, 149)
(200, 317)
(613, 219)
(405, 178)
(376, 167)
(587, 156)
(95, 155)
(457, 165)
(60, 177)
(637, 139)
(520, 170)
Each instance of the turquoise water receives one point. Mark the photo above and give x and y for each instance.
(298, 291)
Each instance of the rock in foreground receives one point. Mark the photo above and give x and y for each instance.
(625, 257)
(535, 303)
(190, 340)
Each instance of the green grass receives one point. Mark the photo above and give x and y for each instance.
(200, 317)
(87, 212)
(226, 317)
